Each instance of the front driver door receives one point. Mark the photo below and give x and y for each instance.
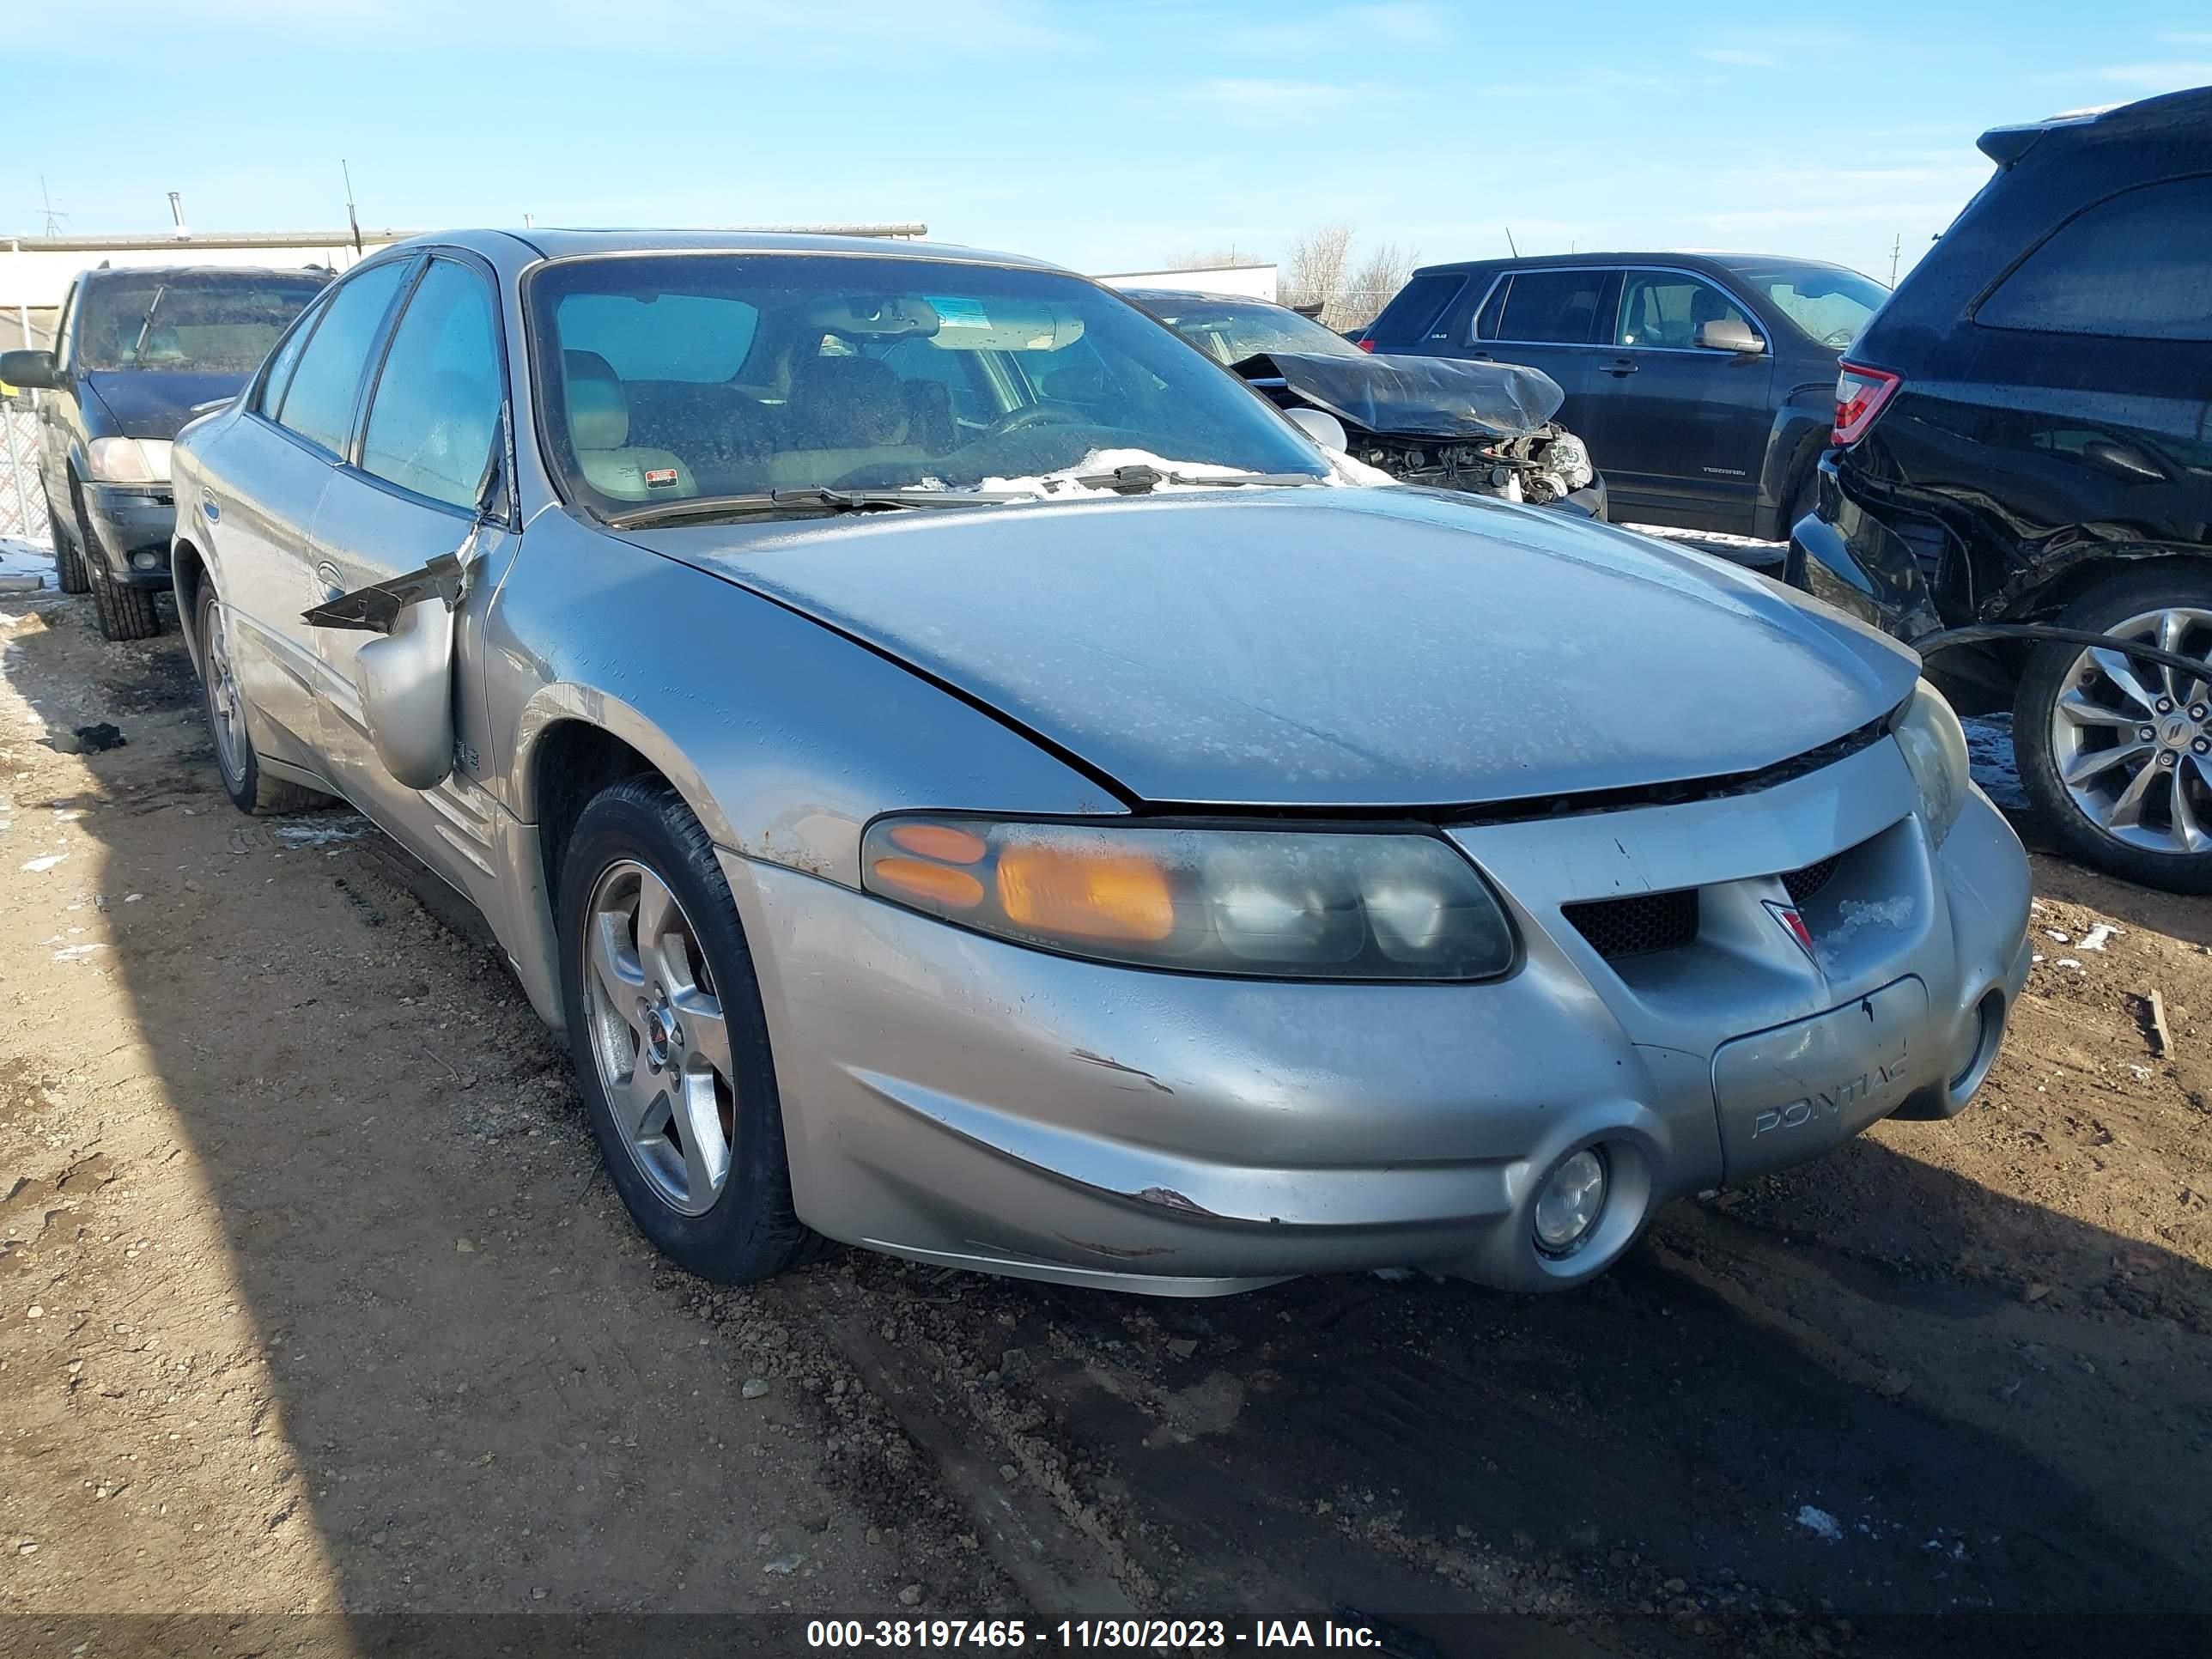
(1682, 434)
(414, 491)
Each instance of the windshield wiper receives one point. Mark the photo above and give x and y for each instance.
(138, 345)
(1141, 478)
(819, 497)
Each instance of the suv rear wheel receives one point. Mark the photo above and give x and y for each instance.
(2117, 753)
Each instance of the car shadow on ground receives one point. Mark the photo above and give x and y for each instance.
(442, 1284)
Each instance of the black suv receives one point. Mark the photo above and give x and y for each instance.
(1704, 383)
(136, 351)
(2023, 442)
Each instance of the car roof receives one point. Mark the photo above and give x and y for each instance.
(1205, 297)
(169, 273)
(1709, 261)
(511, 250)
(2145, 118)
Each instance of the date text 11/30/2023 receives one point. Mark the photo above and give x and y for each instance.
(1077, 1634)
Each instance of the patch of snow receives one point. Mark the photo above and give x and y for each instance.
(1989, 749)
(25, 566)
(1821, 1524)
(77, 952)
(1736, 549)
(1060, 483)
(2095, 937)
(2062, 938)
(2068, 962)
(319, 833)
(40, 866)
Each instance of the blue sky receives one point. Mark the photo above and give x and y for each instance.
(1106, 135)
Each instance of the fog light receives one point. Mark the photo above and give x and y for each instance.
(1573, 1199)
(143, 560)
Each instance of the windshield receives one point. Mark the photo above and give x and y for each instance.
(1230, 330)
(671, 377)
(1827, 304)
(206, 322)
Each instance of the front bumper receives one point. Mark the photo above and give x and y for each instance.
(131, 525)
(955, 1099)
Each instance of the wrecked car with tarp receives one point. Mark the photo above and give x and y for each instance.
(1484, 428)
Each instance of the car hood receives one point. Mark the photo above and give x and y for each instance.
(1339, 648)
(1414, 397)
(154, 403)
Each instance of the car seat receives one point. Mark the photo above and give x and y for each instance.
(598, 430)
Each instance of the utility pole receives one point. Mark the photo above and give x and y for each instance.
(1896, 248)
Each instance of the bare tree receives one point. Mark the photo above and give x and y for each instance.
(1314, 274)
(1372, 286)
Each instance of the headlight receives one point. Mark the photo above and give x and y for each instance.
(129, 460)
(1935, 746)
(1318, 905)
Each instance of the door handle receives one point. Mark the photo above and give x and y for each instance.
(334, 587)
(1481, 357)
(1621, 367)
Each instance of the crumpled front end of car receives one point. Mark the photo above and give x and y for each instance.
(1707, 987)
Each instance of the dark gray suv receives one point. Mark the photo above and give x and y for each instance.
(1704, 385)
(136, 351)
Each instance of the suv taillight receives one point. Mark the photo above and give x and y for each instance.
(1860, 395)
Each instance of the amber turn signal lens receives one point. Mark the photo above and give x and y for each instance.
(940, 842)
(1059, 892)
(916, 877)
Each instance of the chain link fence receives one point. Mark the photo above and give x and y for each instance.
(22, 504)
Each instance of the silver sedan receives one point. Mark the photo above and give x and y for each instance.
(972, 780)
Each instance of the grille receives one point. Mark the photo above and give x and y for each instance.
(1804, 884)
(1636, 927)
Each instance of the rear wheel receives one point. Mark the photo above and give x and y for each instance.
(124, 612)
(69, 556)
(2115, 753)
(250, 789)
(670, 1043)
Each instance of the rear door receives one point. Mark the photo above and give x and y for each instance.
(259, 507)
(1546, 317)
(1681, 431)
(417, 486)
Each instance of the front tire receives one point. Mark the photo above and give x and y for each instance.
(250, 789)
(69, 555)
(124, 612)
(2116, 754)
(669, 1040)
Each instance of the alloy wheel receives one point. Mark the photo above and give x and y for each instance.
(2132, 742)
(659, 1036)
(226, 707)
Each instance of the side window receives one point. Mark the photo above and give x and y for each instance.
(286, 358)
(436, 403)
(1550, 307)
(968, 400)
(318, 403)
(2132, 267)
(1666, 309)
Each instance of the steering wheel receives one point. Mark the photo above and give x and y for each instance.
(1031, 415)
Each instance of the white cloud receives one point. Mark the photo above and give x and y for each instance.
(2159, 78)
(1736, 58)
(1274, 98)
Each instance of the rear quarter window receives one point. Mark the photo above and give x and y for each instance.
(2134, 266)
(1417, 307)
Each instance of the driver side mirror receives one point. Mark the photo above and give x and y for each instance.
(1731, 334)
(27, 368)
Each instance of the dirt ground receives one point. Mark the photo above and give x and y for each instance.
(320, 1331)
